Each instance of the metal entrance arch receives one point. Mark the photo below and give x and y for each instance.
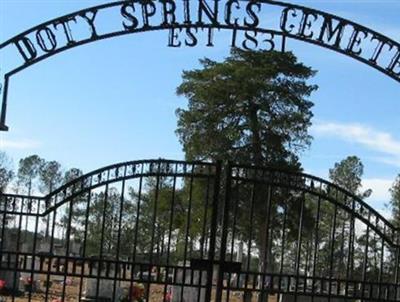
(189, 18)
(183, 231)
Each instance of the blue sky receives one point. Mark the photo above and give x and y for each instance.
(115, 100)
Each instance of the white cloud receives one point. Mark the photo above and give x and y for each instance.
(380, 188)
(385, 213)
(18, 144)
(382, 142)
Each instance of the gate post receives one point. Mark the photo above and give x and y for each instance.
(3, 219)
(213, 235)
(225, 213)
(4, 90)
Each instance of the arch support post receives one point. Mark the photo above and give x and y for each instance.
(3, 94)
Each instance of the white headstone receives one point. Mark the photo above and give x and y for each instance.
(105, 286)
(189, 293)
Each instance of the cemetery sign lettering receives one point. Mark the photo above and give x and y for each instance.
(250, 24)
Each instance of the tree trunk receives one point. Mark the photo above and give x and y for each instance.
(261, 194)
(255, 136)
(28, 209)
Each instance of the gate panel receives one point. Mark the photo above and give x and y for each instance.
(299, 238)
(125, 231)
(158, 230)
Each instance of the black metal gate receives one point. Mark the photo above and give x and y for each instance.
(162, 230)
(300, 238)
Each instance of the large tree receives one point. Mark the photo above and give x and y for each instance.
(50, 175)
(6, 175)
(79, 204)
(395, 201)
(72, 174)
(28, 171)
(251, 108)
(6, 172)
(348, 175)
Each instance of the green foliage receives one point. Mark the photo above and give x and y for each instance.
(395, 201)
(28, 170)
(72, 174)
(347, 174)
(6, 172)
(251, 108)
(104, 209)
(50, 176)
(164, 210)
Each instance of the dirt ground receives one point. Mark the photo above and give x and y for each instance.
(72, 292)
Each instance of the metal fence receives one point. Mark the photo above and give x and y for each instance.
(162, 230)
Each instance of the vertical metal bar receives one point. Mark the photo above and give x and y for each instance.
(159, 230)
(33, 259)
(299, 242)
(236, 203)
(100, 261)
(224, 231)
(4, 200)
(253, 197)
(171, 221)
(283, 46)
(350, 250)
(267, 239)
(306, 266)
(331, 259)
(136, 232)
(187, 235)
(67, 248)
(153, 229)
(158, 237)
(282, 249)
(162, 240)
(203, 236)
(233, 237)
(213, 231)
(51, 252)
(341, 258)
(3, 126)
(365, 264)
(382, 259)
(397, 269)
(121, 211)
(89, 197)
(17, 249)
(316, 245)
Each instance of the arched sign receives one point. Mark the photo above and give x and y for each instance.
(264, 24)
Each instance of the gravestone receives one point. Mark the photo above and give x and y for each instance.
(189, 293)
(75, 248)
(24, 276)
(105, 292)
(44, 246)
(9, 263)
